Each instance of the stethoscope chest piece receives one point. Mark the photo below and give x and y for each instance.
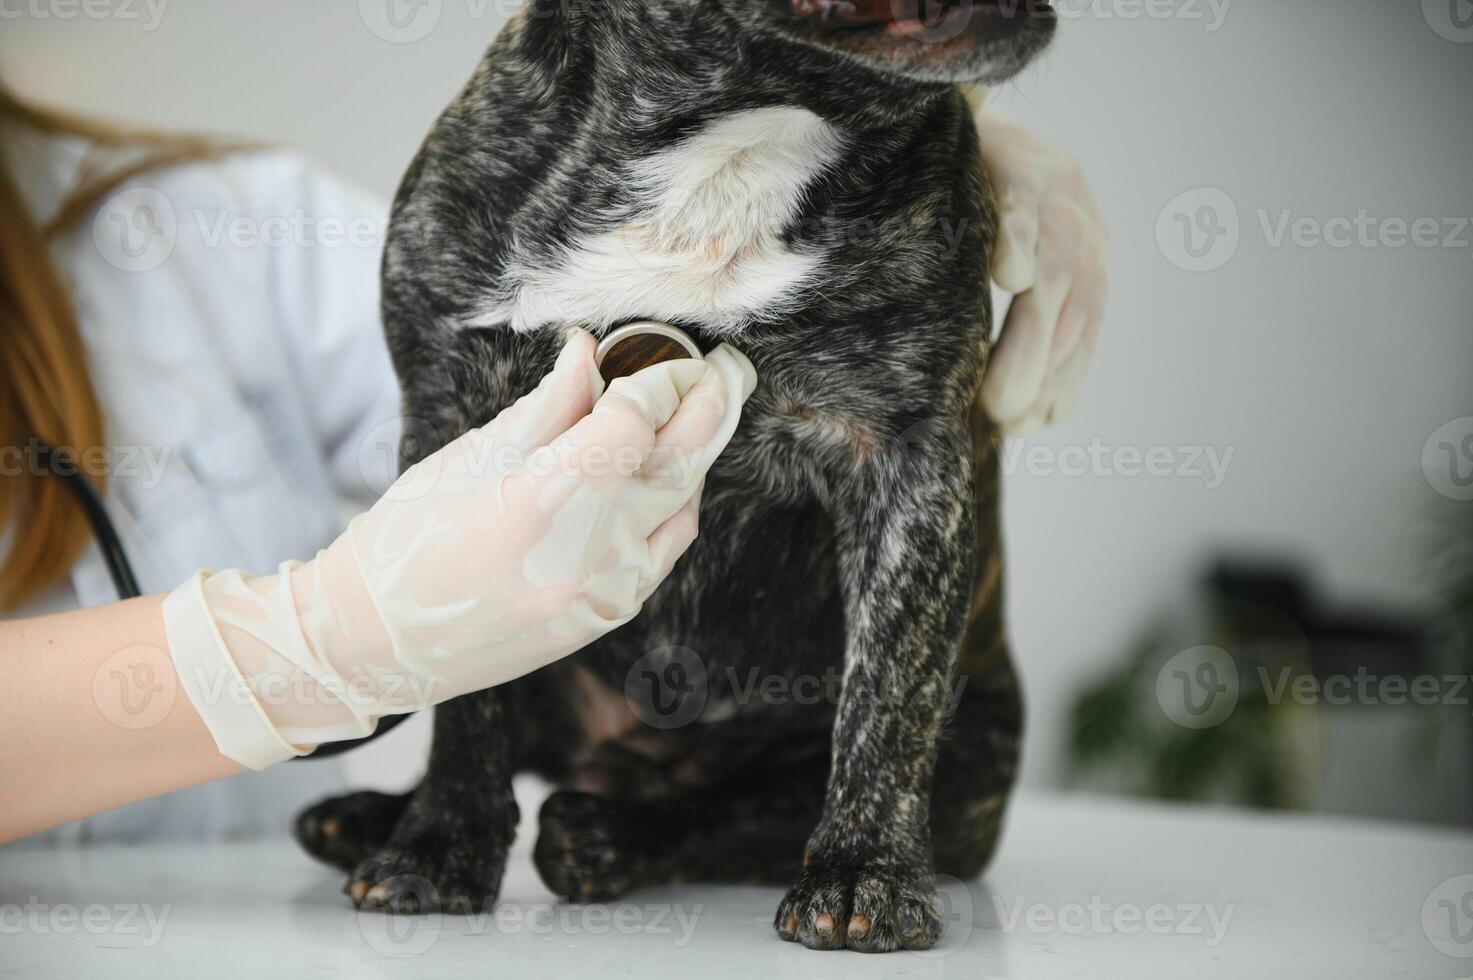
(635, 346)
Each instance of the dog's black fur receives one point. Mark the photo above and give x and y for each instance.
(849, 528)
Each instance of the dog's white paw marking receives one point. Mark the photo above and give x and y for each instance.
(702, 242)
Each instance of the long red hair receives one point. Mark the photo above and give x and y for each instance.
(46, 391)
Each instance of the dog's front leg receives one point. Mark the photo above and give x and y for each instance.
(448, 850)
(905, 525)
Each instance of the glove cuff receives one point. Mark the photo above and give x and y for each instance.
(214, 684)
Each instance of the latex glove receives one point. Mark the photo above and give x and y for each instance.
(1052, 253)
(516, 544)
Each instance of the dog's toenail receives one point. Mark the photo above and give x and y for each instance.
(790, 925)
(357, 890)
(824, 924)
(909, 925)
(859, 926)
(378, 893)
(330, 827)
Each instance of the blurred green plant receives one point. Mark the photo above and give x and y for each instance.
(1118, 731)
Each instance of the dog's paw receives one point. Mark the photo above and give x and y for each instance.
(583, 852)
(345, 829)
(866, 907)
(427, 874)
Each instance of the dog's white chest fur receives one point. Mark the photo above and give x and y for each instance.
(703, 244)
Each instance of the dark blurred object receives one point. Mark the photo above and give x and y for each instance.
(1270, 605)
(1316, 699)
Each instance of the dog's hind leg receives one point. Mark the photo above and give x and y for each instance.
(343, 830)
(751, 827)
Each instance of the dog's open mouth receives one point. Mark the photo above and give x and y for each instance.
(911, 16)
(975, 40)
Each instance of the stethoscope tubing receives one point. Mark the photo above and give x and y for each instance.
(125, 582)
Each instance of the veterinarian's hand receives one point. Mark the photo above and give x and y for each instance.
(1052, 254)
(515, 545)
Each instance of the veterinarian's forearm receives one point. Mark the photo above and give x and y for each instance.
(92, 717)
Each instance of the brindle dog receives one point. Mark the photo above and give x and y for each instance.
(803, 180)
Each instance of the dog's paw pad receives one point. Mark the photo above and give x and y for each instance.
(583, 853)
(344, 830)
(873, 910)
(421, 880)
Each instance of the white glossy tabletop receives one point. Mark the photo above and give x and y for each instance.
(1085, 887)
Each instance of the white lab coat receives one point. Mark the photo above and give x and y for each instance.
(248, 397)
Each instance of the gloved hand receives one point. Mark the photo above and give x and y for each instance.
(515, 545)
(1052, 253)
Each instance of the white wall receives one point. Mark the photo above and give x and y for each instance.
(1323, 370)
